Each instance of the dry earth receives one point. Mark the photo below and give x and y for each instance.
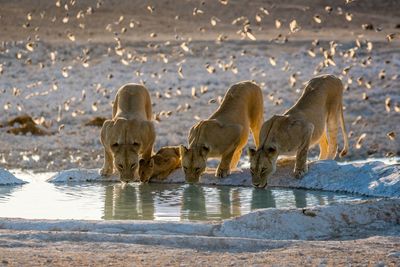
(374, 251)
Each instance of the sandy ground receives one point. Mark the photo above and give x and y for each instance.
(374, 251)
(64, 70)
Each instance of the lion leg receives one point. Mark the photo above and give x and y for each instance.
(332, 135)
(323, 147)
(300, 167)
(239, 148)
(223, 169)
(344, 133)
(108, 166)
(236, 158)
(236, 137)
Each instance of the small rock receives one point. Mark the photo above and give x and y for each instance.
(309, 213)
(395, 254)
(380, 264)
(323, 262)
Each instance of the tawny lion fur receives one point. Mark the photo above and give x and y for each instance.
(166, 160)
(314, 119)
(225, 133)
(129, 134)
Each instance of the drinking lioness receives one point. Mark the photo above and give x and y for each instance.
(225, 133)
(161, 164)
(129, 134)
(315, 118)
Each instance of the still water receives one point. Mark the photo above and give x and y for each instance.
(114, 201)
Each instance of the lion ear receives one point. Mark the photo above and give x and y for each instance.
(204, 151)
(251, 152)
(107, 123)
(151, 163)
(183, 150)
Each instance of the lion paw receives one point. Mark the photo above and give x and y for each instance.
(222, 173)
(299, 173)
(106, 171)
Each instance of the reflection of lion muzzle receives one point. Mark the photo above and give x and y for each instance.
(261, 180)
(130, 134)
(192, 179)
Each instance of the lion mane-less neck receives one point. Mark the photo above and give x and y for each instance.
(197, 134)
(267, 135)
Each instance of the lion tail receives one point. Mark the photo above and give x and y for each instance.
(344, 133)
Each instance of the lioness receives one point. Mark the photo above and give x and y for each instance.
(225, 133)
(160, 165)
(313, 119)
(129, 134)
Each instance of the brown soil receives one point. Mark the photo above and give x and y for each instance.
(374, 251)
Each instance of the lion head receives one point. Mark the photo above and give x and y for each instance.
(146, 169)
(125, 160)
(262, 164)
(124, 139)
(194, 162)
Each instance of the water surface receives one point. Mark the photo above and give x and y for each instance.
(114, 201)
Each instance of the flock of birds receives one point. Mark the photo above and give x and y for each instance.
(176, 50)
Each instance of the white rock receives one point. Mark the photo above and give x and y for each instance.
(258, 230)
(339, 221)
(7, 178)
(80, 175)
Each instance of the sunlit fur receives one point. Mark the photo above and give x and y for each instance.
(194, 161)
(125, 160)
(225, 133)
(314, 119)
(262, 165)
(166, 160)
(130, 134)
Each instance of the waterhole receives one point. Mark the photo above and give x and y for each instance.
(39, 199)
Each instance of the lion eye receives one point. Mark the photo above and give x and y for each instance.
(197, 169)
(271, 150)
(115, 145)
